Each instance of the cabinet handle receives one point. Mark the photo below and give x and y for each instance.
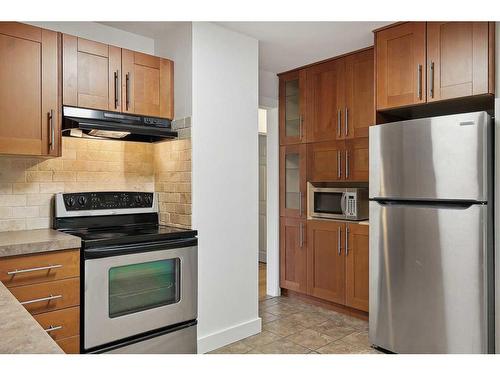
(339, 123)
(301, 130)
(339, 238)
(347, 240)
(301, 235)
(116, 89)
(51, 129)
(49, 298)
(346, 164)
(346, 121)
(52, 328)
(15, 272)
(432, 79)
(301, 195)
(419, 81)
(127, 94)
(338, 164)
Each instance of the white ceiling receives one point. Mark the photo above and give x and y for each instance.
(283, 45)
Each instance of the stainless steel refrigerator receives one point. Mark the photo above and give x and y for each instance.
(431, 251)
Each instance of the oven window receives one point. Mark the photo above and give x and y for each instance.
(143, 286)
(327, 203)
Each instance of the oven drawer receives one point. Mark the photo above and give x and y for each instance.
(61, 323)
(44, 297)
(37, 268)
(70, 345)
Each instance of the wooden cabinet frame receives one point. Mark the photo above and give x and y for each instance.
(299, 75)
(301, 151)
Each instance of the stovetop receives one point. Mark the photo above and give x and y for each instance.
(126, 235)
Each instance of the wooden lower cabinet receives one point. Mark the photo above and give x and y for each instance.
(334, 267)
(70, 345)
(48, 286)
(293, 254)
(325, 260)
(356, 266)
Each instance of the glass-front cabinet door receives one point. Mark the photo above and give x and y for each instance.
(291, 104)
(293, 180)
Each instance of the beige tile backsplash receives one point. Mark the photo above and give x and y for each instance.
(27, 184)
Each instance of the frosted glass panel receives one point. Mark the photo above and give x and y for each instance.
(292, 113)
(292, 181)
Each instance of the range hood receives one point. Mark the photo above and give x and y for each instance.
(96, 124)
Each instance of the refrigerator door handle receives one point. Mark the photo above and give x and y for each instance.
(454, 204)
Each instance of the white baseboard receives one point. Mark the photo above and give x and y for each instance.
(227, 336)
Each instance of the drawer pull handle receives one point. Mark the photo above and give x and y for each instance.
(52, 328)
(49, 298)
(15, 272)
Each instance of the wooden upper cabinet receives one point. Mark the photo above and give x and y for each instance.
(325, 98)
(325, 260)
(292, 108)
(293, 254)
(356, 265)
(325, 161)
(147, 85)
(29, 91)
(359, 112)
(293, 181)
(357, 160)
(458, 56)
(400, 65)
(91, 74)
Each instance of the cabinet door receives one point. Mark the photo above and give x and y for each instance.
(326, 161)
(293, 254)
(457, 59)
(325, 260)
(359, 112)
(400, 64)
(357, 159)
(291, 107)
(29, 91)
(91, 74)
(147, 85)
(325, 101)
(356, 263)
(292, 180)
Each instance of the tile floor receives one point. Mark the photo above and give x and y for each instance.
(291, 326)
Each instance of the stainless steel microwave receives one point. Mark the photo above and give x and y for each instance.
(337, 203)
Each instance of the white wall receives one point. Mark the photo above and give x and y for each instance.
(225, 183)
(102, 33)
(268, 89)
(176, 45)
(497, 184)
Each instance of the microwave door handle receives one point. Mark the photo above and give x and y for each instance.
(343, 203)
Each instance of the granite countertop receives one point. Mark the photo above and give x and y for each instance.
(35, 241)
(19, 331)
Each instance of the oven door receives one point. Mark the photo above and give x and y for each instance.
(127, 295)
(326, 203)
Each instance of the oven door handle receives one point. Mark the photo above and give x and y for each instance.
(142, 247)
(343, 203)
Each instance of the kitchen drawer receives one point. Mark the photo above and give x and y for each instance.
(70, 345)
(35, 268)
(67, 319)
(54, 295)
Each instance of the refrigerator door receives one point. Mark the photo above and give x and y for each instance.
(428, 278)
(433, 158)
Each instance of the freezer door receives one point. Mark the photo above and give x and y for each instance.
(442, 157)
(428, 278)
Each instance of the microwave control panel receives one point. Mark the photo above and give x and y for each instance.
(350, 205)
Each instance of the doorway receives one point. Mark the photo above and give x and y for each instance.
(262, 203)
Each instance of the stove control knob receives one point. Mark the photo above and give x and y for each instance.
(70, 201)
(82, 200)
(148, 200)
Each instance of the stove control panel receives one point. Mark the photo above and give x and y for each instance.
(107, 200)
